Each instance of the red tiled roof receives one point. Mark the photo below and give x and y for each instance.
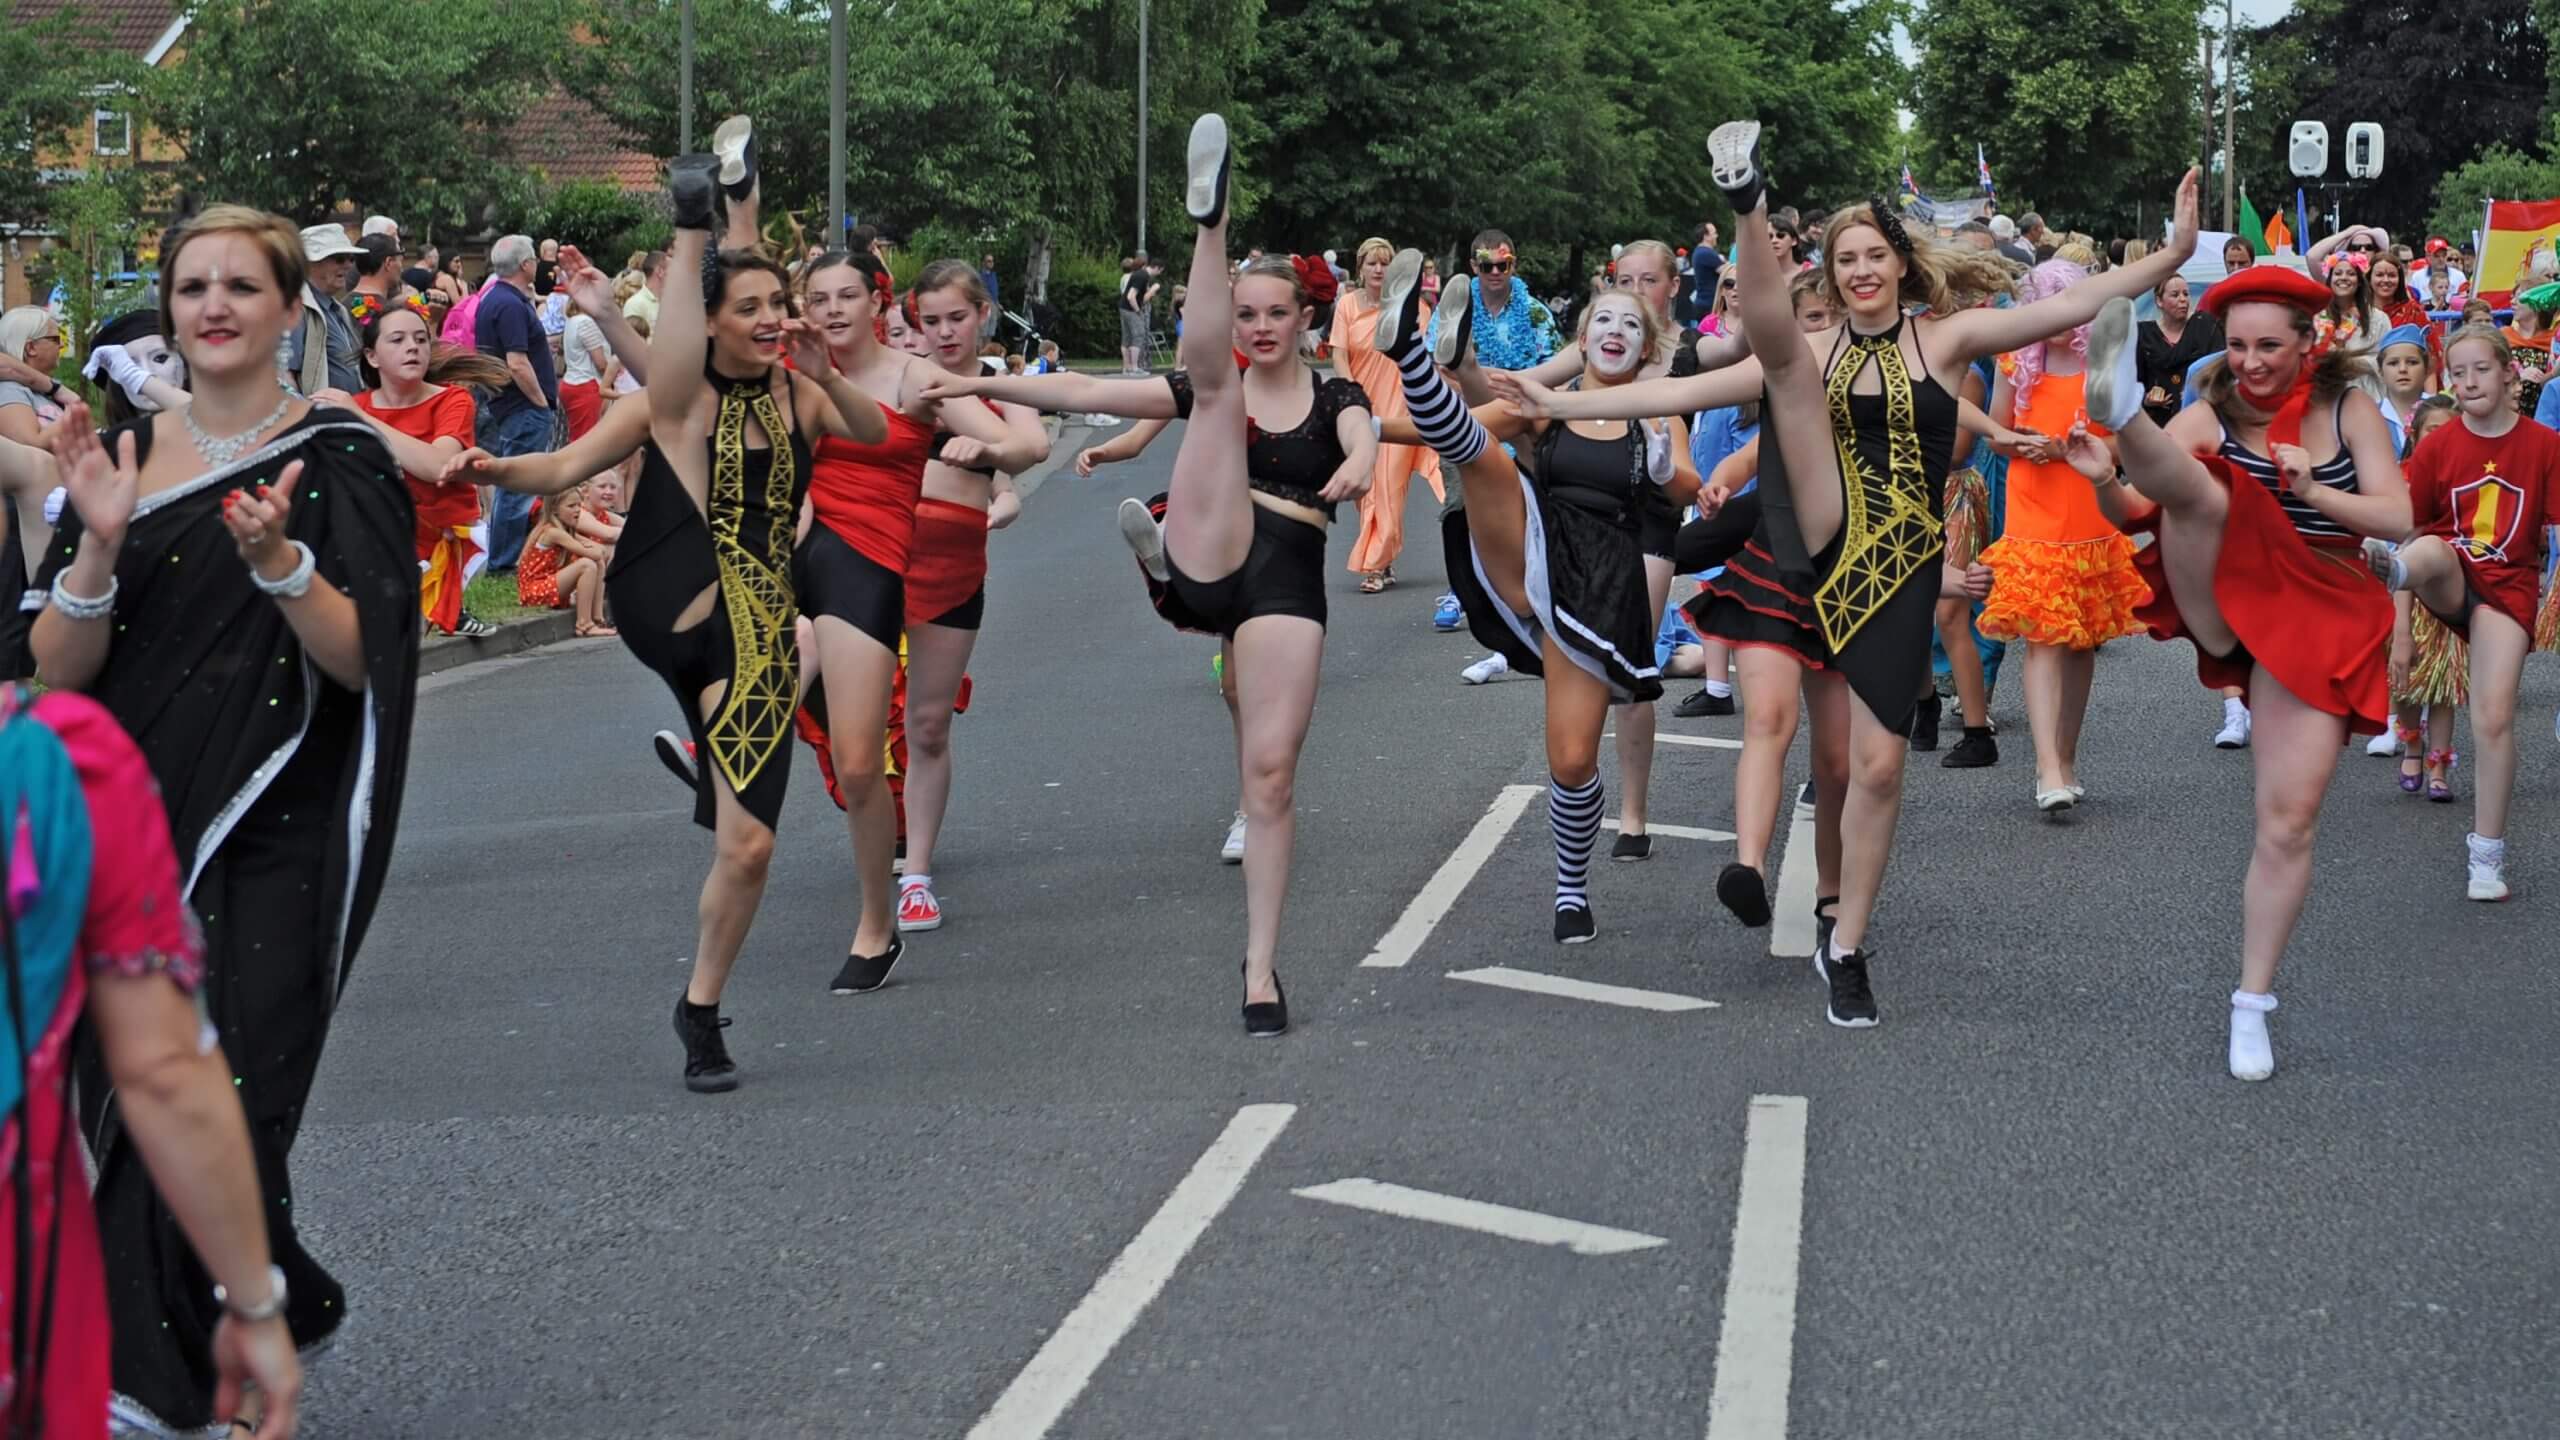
(132, 26)
(569, 139)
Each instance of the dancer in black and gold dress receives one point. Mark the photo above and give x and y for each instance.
(1866, 420)
(702, 581)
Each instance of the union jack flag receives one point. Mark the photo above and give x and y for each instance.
(1909, 186)
(1982, 171)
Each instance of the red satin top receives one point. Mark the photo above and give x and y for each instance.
(867, 494)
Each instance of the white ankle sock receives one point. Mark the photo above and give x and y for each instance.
(2253, 1055)
(1721, 689)
(909, 881)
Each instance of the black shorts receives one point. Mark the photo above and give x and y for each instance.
(1656, 526)
(969, 614)
(839, 581)
(1282, 574)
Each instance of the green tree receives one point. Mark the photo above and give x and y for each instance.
(2046, 85)
(56, 59)
(300, 105)
(1824, 80)
(2499, 172)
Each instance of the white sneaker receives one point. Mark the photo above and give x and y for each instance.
(1232, 850)
(2383, 746)
(2253, 1055)
(1145, 538)
(2488, 868)
(1486, 669)
(2234, 734)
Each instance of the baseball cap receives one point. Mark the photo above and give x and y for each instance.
(327, 242)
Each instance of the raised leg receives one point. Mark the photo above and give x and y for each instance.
(1798, 417)
(1208, 518)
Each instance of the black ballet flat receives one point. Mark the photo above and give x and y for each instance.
(863, 974)
(734, 143)
(1575, 925)
(1745, 892)
(1205, 199)
(693, 186)
(1268, 1019)
(1733, 152)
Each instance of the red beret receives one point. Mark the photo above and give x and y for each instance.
(2275, 284)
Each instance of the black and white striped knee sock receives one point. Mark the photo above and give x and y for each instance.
(1573, 812)
(1438, 410)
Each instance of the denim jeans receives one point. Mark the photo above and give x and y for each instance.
(527, 432)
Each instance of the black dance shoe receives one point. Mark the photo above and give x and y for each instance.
(1745, 892)
(1975, 751)
(735, 145)
(708, 1070)
(1734, 153)
(1924, 723)
(1703, 702)
(1205, 199)
(1574, 925)
(693, 185)
(1632, 847)
(863, 974)
(1265, 1019)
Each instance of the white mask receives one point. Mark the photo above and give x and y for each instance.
(1613, 343)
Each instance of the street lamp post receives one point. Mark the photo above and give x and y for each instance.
(684, 80)
(835, 125)
(1142, 126)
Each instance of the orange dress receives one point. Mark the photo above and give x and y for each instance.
(1355, 354)
(2061, 575)
(538, 579)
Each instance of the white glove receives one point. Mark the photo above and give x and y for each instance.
(1657, 451)
(120, 366)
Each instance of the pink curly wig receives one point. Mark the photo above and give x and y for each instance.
(2043, 283)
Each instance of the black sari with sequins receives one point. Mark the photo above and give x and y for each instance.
(283, 788)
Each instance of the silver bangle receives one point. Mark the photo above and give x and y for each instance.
(272, 1307)
(293, 586)
(82, 607)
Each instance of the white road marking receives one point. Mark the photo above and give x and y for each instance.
(1791, 928)
(1675, 832)
(1077, 1348)
(1432, 903)
(1537, 984)
(1755, 1350)
(1577, 1236)
(1700, 742)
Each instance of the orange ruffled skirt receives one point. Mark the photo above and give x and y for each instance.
(2077, 595)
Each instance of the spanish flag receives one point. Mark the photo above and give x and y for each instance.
(2509, 234)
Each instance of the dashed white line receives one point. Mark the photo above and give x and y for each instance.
(1066, 1364)
(1432, 903)
(1557, 985)
(1698, 742)
(1791, 928)
(1577, 1236)
(1675, 832)
(1755, 1350)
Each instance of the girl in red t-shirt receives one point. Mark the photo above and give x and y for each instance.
(424, 414)
(2482, 492)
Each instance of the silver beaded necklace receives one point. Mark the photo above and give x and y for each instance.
(221, 450)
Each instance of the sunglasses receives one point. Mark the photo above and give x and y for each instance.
(1493, 267)
(2366, 248)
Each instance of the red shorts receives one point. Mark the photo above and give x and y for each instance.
(2312, 615)
(946, 563)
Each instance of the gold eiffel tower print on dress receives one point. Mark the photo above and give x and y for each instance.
(1887, 533)
(755, 716)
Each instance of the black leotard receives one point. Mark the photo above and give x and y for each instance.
(1293, 464)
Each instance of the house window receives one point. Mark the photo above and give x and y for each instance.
(114, 133)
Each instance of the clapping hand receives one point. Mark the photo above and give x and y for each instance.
(102, 489)
(256, 518)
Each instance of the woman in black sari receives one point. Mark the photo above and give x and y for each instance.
(235, 582)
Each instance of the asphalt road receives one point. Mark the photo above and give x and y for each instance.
(2032, 1203)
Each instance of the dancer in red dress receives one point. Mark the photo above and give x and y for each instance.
(2259, 497)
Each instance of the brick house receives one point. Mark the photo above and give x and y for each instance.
(148, 30)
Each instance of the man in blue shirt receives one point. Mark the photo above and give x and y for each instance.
(522, 419)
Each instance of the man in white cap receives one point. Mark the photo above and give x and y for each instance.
(381, 225)
(2004, 238)
(320, 353)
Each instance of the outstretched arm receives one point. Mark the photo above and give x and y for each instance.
(607, 445)
(1970, 334)
(1148, 399)
(1642, 400)
(1119, 447)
